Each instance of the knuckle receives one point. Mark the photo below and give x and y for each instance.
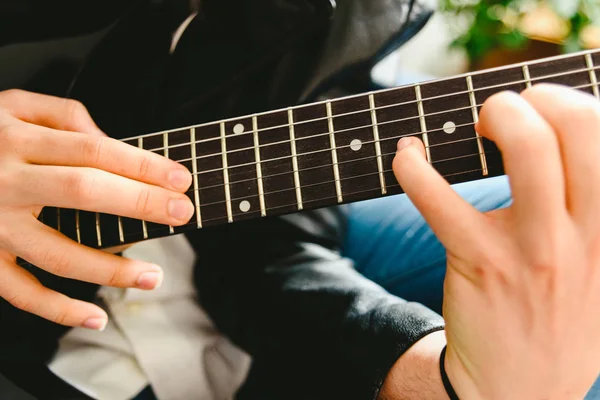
(20, 301)
(80, 186)
(142, 206)
(57, 261)
(144, 167)
(60, 317)
(75, 109)
(12, 94)
(92, 150)
(114, 278)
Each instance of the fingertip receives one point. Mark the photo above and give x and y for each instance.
(97, 318)
(180, 178)
(95, 323)
(404, 143)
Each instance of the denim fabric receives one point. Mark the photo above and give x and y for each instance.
(393, 246)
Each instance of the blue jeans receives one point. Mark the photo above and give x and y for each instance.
(393, 246)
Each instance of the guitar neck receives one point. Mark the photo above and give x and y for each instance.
(327, 153)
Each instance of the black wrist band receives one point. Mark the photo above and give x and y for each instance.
(447, 385)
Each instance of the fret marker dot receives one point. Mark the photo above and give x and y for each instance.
(245, 206)
(238, 128)
(449, 127)
(355, 145)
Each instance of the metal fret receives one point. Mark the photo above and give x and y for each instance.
(334, 157)
(593, 78)
(295, 159)
(166, 147)
(98, 230)
(77, 227)
(527, 76)
(144, 226)
(484, 166)
(58, 219)
(423, 122)
(226, 173)
(195, 177)
(377, 144)
(261, 190)
(121, 235)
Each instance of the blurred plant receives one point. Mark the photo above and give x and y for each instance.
(486, 25)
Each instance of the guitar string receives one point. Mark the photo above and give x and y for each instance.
(264, 161)
(333, 181)
(334, 197)
(367, 158)
(378, 188)
(411, 102)
(193, 223)
(337, 132)
(338, 163)
(328, 150)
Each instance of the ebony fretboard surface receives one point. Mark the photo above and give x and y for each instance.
(327, 153)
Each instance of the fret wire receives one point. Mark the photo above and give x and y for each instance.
(377, 144)
(406, 86)
(166, 146)
(367, 142)
(381, 140)
(593, 77)
(334, 158)
(353, 177)
(369, 190)
(226, 172)
(144, 225)
(476, 120)
(349, 161)
(423, 122)
(58, 219)
(98, 230)
(384, 107)
(77, 226)
(195, 177)
(527, 76)
(121, 235)
(261, 191)
(295, 159)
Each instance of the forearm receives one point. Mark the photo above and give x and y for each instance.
(416, 374)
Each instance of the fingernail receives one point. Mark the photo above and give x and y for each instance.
(97, 324)
(180, 209)
(150, 280)
(180, 179)
(404, 143)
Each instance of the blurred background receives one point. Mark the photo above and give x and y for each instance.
(468, 35)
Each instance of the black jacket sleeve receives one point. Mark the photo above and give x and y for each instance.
(316, 328)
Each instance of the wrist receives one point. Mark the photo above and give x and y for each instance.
(416, 374)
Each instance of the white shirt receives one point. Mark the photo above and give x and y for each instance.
(162, 337)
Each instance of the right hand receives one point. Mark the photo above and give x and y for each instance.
(53, 154)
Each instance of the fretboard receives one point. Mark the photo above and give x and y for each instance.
(327, 153)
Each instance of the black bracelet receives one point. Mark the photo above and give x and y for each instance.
(447, 385)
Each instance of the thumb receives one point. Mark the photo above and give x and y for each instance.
(455, 222)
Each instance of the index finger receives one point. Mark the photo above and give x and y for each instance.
(46, 146)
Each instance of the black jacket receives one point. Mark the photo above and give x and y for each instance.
(277, 287)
